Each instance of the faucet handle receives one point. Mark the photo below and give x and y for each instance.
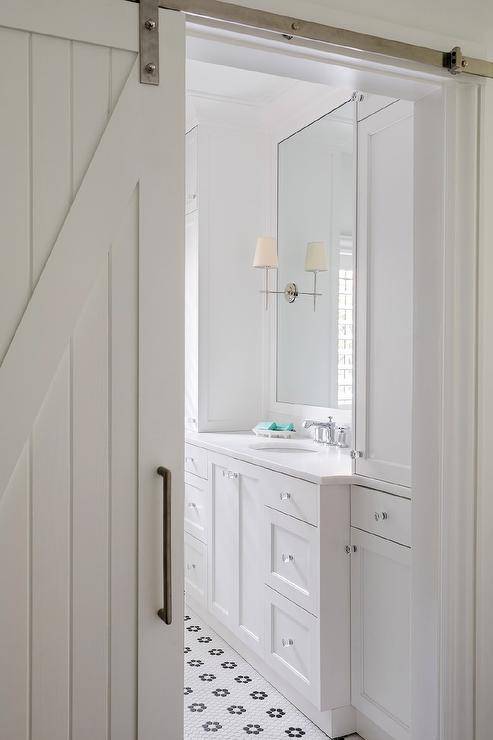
(341, 437)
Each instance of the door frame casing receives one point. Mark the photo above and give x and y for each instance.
(484, 502)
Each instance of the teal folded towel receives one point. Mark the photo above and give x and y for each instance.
(272, 426)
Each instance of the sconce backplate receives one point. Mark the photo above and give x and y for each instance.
(291, 292)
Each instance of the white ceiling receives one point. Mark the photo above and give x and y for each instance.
(237, 85)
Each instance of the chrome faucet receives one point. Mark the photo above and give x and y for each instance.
(324, 432)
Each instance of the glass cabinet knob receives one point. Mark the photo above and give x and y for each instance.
(285, 496)
(287, 558)
(381, 516)
(287, 642)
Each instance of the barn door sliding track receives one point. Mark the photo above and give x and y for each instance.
(292, 28)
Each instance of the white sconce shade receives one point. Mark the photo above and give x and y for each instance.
(316, 257)
(265, 252)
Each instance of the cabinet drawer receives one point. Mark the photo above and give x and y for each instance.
(381, 513)
(292, 566)
(292, 496)
(195, 569)
(292, 644)
(195, 514)
(195, 460)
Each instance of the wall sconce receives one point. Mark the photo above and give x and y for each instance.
(266, 257)
(316, 261)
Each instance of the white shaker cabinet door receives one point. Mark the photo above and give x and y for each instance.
(222, 540)
(384, 298)
(249, 623)
(380, 632)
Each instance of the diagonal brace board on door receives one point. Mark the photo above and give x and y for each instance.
(71, 269)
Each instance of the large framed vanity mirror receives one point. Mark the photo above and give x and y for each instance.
(315, 234)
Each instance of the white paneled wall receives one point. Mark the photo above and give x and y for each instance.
(66, 510)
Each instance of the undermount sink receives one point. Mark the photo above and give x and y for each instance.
(284, 446)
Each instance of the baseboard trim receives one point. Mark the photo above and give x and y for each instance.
(368, 730)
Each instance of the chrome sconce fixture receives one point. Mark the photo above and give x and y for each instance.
(266, 258)
(316, 261)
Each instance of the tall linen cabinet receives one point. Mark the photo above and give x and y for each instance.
(227, 196)
(381, 521)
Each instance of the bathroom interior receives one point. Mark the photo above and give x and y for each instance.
(298, 405)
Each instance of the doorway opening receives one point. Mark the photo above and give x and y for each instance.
(277, 174)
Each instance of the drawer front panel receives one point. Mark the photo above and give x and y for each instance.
(195, 570)
(195, 514)
(292, 496)
(382, 514)
(292, 644)
(292, 559)
(195, 460)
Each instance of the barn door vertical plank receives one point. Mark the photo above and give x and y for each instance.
(14, 610)
(90, 518)
(51, 195)
(91, 433)
(14, 181)
(124, 296)
(121, 65)
(123, 266)
(14, 292)
(51, 561)
(90, 95)
(51, 147)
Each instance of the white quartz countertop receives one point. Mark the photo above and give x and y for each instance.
(316, 463)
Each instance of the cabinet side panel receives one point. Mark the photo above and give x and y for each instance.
(335, 596)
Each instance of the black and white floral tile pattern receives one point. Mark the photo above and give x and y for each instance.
(226, 698)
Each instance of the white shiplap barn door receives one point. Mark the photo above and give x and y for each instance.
(91, 346)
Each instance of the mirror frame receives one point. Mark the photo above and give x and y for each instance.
(284, 410)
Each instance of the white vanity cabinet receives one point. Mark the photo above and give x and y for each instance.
(380, 610)
(315, 580)
(236, 551)
(277, 571)
(384, 297)
(307, 629)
